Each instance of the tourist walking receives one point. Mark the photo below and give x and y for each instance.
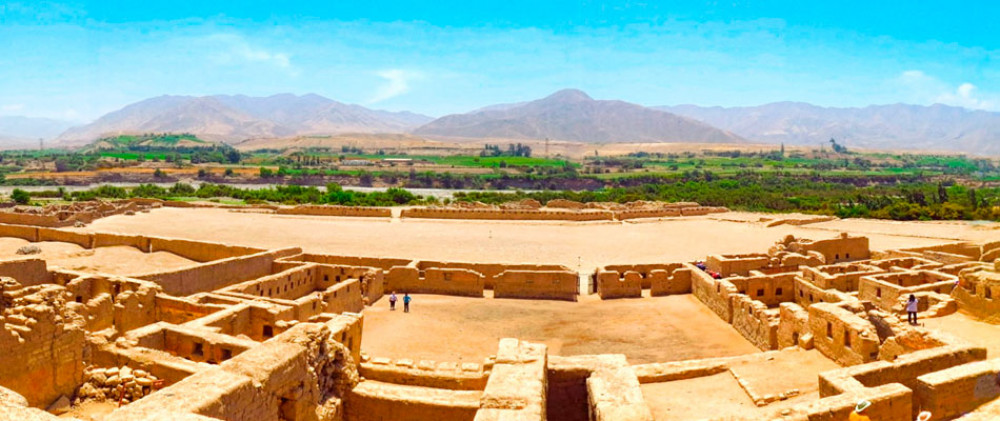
(911, 310)
(392, 301)
(406, 302)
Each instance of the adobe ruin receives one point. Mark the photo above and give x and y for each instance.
(245, 333)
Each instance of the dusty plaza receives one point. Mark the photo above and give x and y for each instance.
(151, 310)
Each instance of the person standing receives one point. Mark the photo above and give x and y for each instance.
(392, 301)
(406, 302)
(911, 310)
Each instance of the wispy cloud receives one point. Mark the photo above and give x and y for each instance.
(236, 49)
(397, 82)
(11, 108)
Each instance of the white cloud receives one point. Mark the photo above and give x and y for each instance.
(397, 82)
(235, 48)
(966, 95)
(10, 108)
(931, 89)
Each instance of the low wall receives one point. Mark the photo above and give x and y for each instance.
(555, 285)
(199, 251)
(516, 389)
(741, 264)
(646, 213)
(611, 285)
(507, 214)
(489, 270)
(102, 239)
(218, 274)
(325, 210)
(372, 400)
(443, 375)
(82, 239)
(27, 271)
(957, 390)
(19, 231)
(460, 282)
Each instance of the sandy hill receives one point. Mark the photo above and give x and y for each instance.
(898, 126)
(572, 115)
(235, 118)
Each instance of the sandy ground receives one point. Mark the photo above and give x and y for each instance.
(91, 410)
(646, 330)
(118, 260)
(970, 329)
(582, 246)
(721, 396)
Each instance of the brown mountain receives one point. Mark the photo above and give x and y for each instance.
(897, 126)
(572, 115)
(235, 118)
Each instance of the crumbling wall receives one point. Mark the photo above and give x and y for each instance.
(517, 385)
(611, 285)
(85, 240)
(714, 293)
(42, 338)
(556, 285)
(301, 374)
(841, 335)
(757, 323)
(793, 327)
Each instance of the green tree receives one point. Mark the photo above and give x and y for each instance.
(20, 196)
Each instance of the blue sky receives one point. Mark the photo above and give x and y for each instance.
(80, 59)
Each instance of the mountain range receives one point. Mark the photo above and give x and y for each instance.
(572, 115)
(568, 115)
(235, 118)
(897, 126)
(24, 132)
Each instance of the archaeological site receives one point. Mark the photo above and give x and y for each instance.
(147, 311)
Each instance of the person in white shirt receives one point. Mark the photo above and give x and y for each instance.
(911, 310)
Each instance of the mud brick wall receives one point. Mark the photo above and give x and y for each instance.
(757, 323)
(556, 285)
(323, 210)
(612, 285)
(957, 390)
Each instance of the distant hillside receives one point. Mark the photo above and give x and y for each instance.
(150, 140)
(235, 118)
(572, 115)
(18, 132)
(898, 126)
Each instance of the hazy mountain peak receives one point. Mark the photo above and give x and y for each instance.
(232, 118)
(568, 95)
(573, 115)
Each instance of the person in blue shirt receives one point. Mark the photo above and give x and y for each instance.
(406, 302)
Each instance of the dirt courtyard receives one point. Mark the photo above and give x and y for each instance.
(444, 328)
(116, 260)
(579, 246)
